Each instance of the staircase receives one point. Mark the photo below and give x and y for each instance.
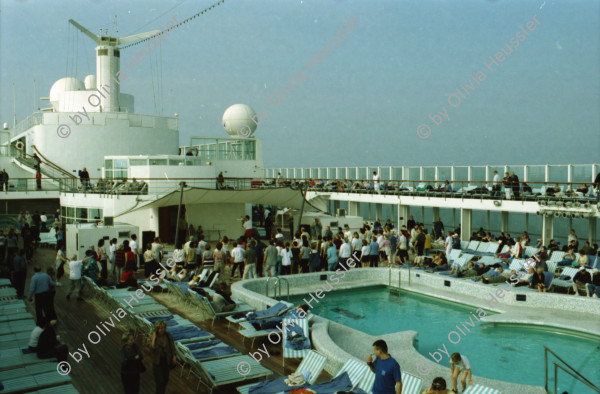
(50, 171)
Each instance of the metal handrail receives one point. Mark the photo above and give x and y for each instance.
(580, 377)
(556, 366)
(288, 287)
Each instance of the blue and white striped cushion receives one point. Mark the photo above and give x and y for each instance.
(479, 389)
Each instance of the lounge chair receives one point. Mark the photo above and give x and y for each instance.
(313, 362)
(239, 308)
(288, 352)
(473, 245)
(29, 382)
(557, 256)
(464, 245)
(207, 350)
(492, 247)
(454, 254)
(48, 238)
(479, 389)
(411, 384)
(64, 389)
(568, 283)
(276, 310)
(530, 251)
(227, 371)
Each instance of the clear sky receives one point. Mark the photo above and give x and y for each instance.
(362, 104)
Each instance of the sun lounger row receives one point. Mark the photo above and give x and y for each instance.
(20, 370)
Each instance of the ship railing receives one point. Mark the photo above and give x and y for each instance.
(568, 197)
(30, 185)
(34, 119)
(571, 372)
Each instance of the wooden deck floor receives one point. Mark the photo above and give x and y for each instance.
(100, 373)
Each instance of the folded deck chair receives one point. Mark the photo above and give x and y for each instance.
(226, 371)
(291, 348)
(479, 389)
(313, 363)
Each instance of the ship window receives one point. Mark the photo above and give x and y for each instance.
(159, 162)
(117, 53)
(175, 162)
(103, 52)
(138, 162)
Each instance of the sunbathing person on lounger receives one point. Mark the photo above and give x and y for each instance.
(218, 302)
(497, 276)
(474, 270)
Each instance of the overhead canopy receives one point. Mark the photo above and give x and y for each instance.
(281, 197)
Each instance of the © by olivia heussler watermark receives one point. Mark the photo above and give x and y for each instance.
(276, 98)
(94, 337)
(244, 368)
(463, 91)
(64, 130)
(423, 367)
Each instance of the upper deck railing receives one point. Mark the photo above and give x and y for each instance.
(561, 174)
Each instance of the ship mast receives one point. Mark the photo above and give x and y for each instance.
(108, 63)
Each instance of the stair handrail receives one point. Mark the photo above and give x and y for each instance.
(53, 165)
(556, 366)
(579, 376)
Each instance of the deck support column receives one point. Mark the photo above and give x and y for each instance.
(547, 229)
(504, 225)
(353, 208)
(592, 230)
(436, 214)
(402, 215)
(465, 224)
(379, 211)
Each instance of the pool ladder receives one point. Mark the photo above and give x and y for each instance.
(399, 277)
(277, 285)
(579, 376)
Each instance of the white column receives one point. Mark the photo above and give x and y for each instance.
(547, 228)
(592, 230)
(353, 208)
(504, 227)
(402, 215)
(465, 224)
(379, 211)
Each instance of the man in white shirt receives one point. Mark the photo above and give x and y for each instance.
(75, 277)
(247, 224)
(496, 187)
(34, 338)
(43, 220)
(156, 249)
(201, 245)
(458, 364)
(344, 253)
(356, 243)
(134, 248)
(448, 245)
(376, 182)
(279, 235)
(238, 259)
(347, 233)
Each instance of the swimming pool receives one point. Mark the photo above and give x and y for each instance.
(502, 353)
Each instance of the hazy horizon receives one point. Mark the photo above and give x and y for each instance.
(362, 104)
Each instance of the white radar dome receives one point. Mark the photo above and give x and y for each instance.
(90, 82)
(240, 120)
(65, 85)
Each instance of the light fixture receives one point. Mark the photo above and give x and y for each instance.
(557, 214)
(538, 213)
(497, 203)
(564, 215)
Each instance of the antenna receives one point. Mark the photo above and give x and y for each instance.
(14, 107)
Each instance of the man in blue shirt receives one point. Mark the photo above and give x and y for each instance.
(40, 286)
(388, 378)
(374, 255)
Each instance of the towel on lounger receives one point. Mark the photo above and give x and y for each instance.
(217, 351)
(202, 345)
(186, 332)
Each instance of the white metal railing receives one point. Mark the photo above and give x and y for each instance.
(578, 173)
(34, 119)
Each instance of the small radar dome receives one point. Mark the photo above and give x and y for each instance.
(238, 121)
(64, 85)
(90, 82)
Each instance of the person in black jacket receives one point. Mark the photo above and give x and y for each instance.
(49, 346)
(537, 280)
(516, 186)
(131, 364)
(581, 279)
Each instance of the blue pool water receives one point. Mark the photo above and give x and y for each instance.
(503, 353)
